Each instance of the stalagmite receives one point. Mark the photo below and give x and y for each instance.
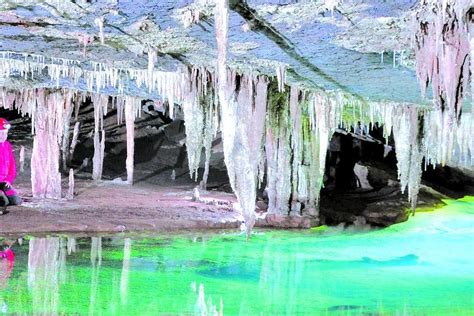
(70, 192)
(22, 159)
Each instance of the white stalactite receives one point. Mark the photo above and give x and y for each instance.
(69, 108)
(408, 150)
(45, 176)
(100, 23)
(281, 77)
(443, 52)
(75, 136)
(131, 106)
(100, 108)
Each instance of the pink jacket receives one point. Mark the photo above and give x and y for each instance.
(7, 163)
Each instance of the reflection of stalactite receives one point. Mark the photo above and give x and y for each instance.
(204, 308)
(71, 245)
(45, 260)
(127, 249)
(280, 271)
(96, 261)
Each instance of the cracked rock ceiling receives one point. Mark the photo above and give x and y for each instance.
(361, 47)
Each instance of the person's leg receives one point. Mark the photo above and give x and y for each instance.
(4, 201)
(13, 197)
(15, 200)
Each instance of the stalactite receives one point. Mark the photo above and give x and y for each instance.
(100, 104)
(68, 109)
(194, 124)
(200, 118)
(243, 133)
(45, 176)
(406, 132)
(131, 107)
(75, 136)
(100, 23)
(210, 131)
(443, 52)
(278, 154)
(281, 77)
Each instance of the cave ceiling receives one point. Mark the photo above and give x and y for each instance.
(360, 47)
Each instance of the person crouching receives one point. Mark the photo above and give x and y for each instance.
(8, 195)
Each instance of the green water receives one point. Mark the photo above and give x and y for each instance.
(422, 267)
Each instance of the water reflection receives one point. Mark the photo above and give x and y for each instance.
(276, 273)
(127, 250)
(96, 262)
(205, 307)
(46, 266)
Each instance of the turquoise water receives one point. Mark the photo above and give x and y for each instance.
(422, 267)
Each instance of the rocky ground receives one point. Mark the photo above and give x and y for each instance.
(163, 196)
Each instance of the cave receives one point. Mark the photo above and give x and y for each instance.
(149, 125)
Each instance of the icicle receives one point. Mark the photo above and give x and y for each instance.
(70, 192)
(22, 159)
(130, 112)
(100, 23)
(381, 56)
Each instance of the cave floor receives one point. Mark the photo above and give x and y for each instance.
(110, 207)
